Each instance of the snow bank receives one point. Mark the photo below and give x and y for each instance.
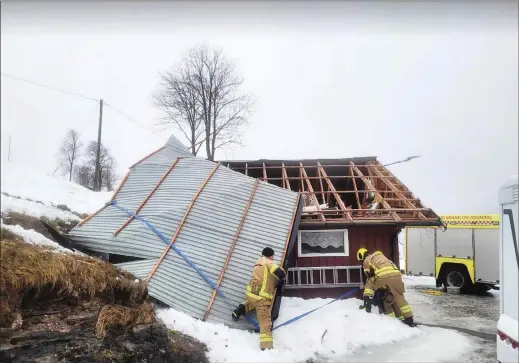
(34, 209)
(348, 329)
(21, 181)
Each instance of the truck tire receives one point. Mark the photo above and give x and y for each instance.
(457, 276)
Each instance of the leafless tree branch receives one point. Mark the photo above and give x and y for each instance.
(203, 99)
(69, 152)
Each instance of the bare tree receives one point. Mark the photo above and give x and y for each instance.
(208, 81)
(84, 175)
(69, 152)
(85, 172)
(178, 100)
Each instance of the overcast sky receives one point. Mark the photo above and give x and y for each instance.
(335, 80)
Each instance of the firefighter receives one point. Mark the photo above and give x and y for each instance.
(266, 276)
(385, 276)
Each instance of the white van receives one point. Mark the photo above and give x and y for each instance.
(508, 326)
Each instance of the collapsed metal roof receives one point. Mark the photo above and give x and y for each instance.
(220, 219)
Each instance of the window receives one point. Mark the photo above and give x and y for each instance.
(323, 243)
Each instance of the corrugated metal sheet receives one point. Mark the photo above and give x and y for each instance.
(206, 236)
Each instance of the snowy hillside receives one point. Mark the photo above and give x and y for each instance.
(338, 332)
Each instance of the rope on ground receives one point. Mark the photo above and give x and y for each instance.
(432, 292)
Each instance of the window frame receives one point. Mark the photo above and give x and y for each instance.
(346, 252)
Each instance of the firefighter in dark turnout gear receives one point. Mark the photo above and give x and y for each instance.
(266, 276)
(383, 275)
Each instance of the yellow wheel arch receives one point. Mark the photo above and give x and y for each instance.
(467, 262)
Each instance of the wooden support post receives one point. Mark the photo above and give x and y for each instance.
(355, 187)
(312, 195)
(150, 194)
(229, 254)
(285, 176)
(334, 192)
(247, 169)
(264, 173)
(181, 223)
(321, 184)
(368, 184)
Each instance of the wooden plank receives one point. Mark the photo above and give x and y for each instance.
(181, 223)
(355, 187)
(334, 192)
(264, 172)
(229, 254)
(377, 194)
(246, 169)
(321, 184)
(150, 194)
(111, 200)
(397, 192)
(311, 189)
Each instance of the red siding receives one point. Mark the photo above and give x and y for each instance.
(381, 238)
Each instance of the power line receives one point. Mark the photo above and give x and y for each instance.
(85, 97)
(133, 120)
(51, 88)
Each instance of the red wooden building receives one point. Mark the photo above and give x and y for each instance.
(347, 204)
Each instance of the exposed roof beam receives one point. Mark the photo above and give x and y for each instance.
(264, 173)
(355, 187)
(286, 182)
(334, 192)
(397, 192)
(369, 186)
(311, 189)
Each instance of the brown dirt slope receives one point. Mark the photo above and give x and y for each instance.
(64, 307)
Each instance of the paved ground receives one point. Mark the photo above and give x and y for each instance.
(462, 312)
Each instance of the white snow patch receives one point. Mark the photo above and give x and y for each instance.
(34, 209)
(23, 182)
(409, 280)
(31, 236)
(348, 329)
(438, 345)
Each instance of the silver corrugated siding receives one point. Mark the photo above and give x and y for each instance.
(205, 237)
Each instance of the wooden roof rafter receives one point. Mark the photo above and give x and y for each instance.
(313, 196)
(400, 195)
(368, 184)
(338, 199)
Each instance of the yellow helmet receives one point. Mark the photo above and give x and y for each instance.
(361, 253)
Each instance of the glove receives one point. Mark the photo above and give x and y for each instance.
(367, 304)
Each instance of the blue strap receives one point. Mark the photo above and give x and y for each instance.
(249, 319)
(320, 307)
(158, 233)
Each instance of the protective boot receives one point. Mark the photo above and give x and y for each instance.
(239, 311)
(409, 322)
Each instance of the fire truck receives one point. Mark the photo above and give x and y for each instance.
(464, 255)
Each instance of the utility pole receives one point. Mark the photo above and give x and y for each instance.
(97, 173)
(9, 152)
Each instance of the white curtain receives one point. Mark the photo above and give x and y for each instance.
(323, 239)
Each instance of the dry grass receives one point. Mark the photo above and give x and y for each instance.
(117, 318)
(30, 274)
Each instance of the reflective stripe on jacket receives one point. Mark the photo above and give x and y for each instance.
(379, 265)
(263, 280)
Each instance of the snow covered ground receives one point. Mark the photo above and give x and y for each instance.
(21, 181)
(337, 333)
